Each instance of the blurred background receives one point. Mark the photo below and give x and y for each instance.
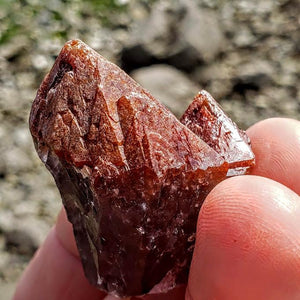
(245, 53)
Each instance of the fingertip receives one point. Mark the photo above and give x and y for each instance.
(55, 274)
(276, 144)
(271, 123)
(248, 242)
(64, 232)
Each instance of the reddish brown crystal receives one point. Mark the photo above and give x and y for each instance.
(208, 121)
(131, 176)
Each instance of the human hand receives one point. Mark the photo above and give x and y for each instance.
(247, 242)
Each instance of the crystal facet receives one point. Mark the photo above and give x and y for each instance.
(207, 120)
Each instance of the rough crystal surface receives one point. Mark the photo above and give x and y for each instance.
(131, 176)
(207, 120)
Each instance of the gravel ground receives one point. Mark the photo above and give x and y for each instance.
(245, 53)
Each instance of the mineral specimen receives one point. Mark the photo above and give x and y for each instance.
(131, 176)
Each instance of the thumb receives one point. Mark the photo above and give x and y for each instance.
(247, 243)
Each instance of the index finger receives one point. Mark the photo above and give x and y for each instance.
(55, 272)
(276, 145)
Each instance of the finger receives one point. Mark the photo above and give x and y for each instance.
(64, 231)
(55, 273)
(247, 243)
(276, 144)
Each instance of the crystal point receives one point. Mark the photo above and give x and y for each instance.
(209, 122)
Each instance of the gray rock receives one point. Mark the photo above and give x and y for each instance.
(11, 266)
(10, 194)
(169, 85)
(153, 34)
(152, 37)
(103, 41)
(178, 32)
(256, 73)
(25, 235)
(200, 30)
(16, 159)
(216, 78)
(256, 6)
(41, 62)
(244, 37)
(22, 137)
(14, 48)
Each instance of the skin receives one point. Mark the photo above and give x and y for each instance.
(247, 242)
